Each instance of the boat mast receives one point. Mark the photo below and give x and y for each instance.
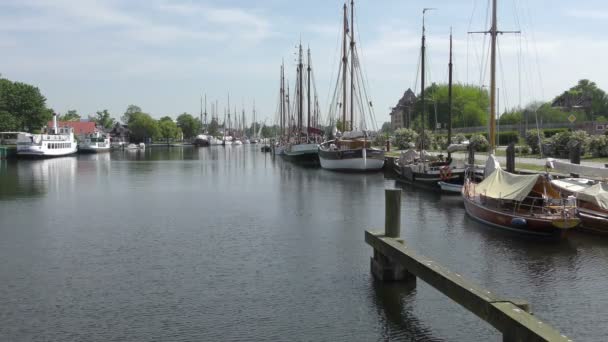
(422, 64)
(229, 114)
(201, 115)
(352, 63)
(450, 95)
(205, 123)
(308, 94)
(254, 131)
(300, 88)
(493, 33)
(282, 101)
(344, 71)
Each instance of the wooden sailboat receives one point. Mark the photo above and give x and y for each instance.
(525, 203)
(202, 139)
(352, 151)
(302, 145)
(419, 168)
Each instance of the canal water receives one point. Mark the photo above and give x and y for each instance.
(228, 244)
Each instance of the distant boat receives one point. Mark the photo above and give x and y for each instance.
(94, 143)
(202, 140)
(133, 147)
(352, 151)
(59, 141)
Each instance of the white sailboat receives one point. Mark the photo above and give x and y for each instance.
(352, 151)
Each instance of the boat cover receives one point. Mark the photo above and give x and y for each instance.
(504, 185)
(597, 194)
(491, 165)
(599, 173)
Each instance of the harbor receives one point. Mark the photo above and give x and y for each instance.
(424, 180)
(170, 233)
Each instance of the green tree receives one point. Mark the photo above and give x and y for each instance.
(533, 139)
(25, 104)
(189, 125)
(104, 119)
(71, 115)
(341, 127)
(404, 138)
(131, 109)
(142, 126)
(167, 129)
(387, 127)
(8, 122)
(213, 128)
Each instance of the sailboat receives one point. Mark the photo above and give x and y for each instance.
(352, 151)
(302, 144)
(524, 203)
(420, 168)
(203, 139)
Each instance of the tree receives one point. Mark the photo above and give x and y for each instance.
(341, 127)
(104, 119)
(142, 126)
(167, 129)
(71, 115)
(131, 109)
(405, 138)
(387, 127)
(8, 122)
(213, 128)
(25, 104)
(189, 126)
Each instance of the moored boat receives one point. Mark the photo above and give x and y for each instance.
(592, 201)
(55, 142)
(94, 143)
(523, 203)
(350, 154)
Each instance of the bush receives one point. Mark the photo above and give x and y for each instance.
(440, 143)
(428, 140)
(598, 145)
(561, 143)
(458, 138)
(532, 140)
(522, 149)
(549, 132)
(479, 142)
(404, 137)
(507, 137)
(380, 140)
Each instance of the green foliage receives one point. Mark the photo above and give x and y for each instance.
(479, 142)
(189, 125)
(549, 132)
(213, 128)
(469, 106)
(561, 143)
(142, 126)
(8, 122)
(380, 140)
(71, 115)
(458, 138)
(341, 127)
(587, 92)
(440, 142)
(598, 145)
(404, 138)
(25, 104)
(512, 117)
(532, 139)
(131, 109)
(428, 140)
(386, 128)
(507, 137)
(601, 119)
(104, 119)
(167, 129)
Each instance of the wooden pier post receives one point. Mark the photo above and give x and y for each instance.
(382, 267)
(511, 158)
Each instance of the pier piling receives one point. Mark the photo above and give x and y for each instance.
(393, 260)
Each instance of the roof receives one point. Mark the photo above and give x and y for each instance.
(408, 99)
(79, 127)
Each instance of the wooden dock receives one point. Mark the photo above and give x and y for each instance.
(393, 260)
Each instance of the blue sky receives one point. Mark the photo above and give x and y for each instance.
(163, 54)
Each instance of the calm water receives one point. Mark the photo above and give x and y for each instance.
(219, 243)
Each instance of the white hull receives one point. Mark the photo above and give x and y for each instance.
(354, 164)
(450, 187)
(44, 152)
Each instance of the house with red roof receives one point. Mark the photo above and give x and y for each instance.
(79, 127)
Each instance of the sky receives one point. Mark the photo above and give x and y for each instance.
(163, 55)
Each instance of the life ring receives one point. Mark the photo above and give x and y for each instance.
(445, 172)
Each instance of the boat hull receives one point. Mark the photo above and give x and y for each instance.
(302, 154)
(352, 160)
(522, 224)
(429, 180)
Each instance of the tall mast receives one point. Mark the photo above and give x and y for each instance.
(450, 95)
(308, 93)
(201, 115)
(493, 34)
(344, 70)
(352, 63)
(282, 102)
(288, 113)
(300, 88)
(254, 131)
(205, 123)
(422, 51)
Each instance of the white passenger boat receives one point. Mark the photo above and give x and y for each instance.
(94, 143)
(58, 141)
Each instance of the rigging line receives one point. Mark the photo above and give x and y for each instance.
(468, 39)
(505, 97)
(337, 45)
(415, 86)
(359, 63)
(370, 107)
